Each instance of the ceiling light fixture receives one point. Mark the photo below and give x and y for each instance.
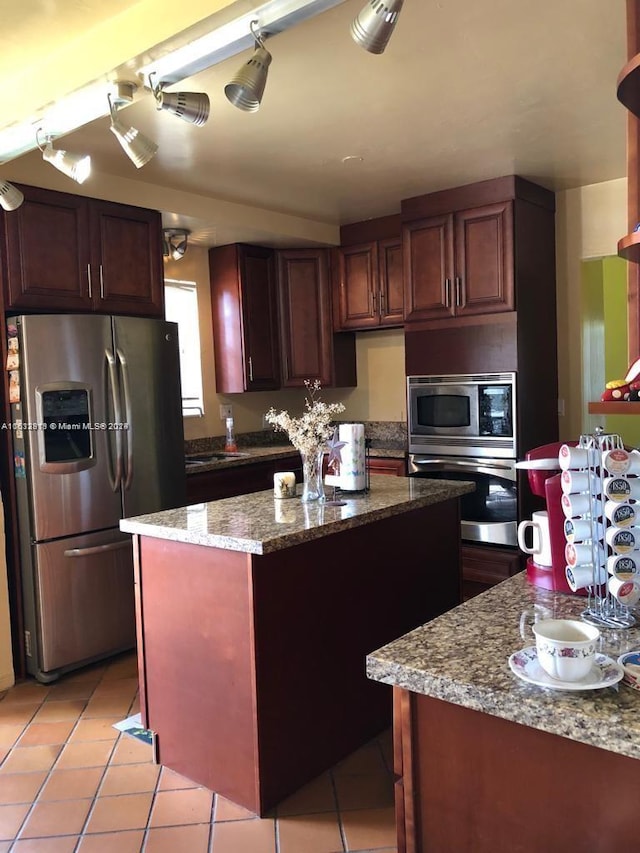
(86, 104)
(189, 106)
(233, 38)
(138, 148)
(174, 243)
(10, 197)
(373, 26)
(75, 166)
(247, 87)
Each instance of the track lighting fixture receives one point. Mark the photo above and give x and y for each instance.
(138, 148)
(246, 89)
(174, 243)
(10, 197)
(189, 106)
(373, 26)
(75, 166)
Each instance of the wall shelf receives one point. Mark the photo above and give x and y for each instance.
(629, 247)
(629, 86)
(614, 407)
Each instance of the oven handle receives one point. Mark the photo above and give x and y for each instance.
(507, 470)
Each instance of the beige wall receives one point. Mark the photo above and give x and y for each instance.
(380, 394)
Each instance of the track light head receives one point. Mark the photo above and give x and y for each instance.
(138, 148)
(373, 26)
(189, 106)
(247, 87)
(174, 243)
(10, 197)
(74, 166)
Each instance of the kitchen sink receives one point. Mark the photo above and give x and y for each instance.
(205, 458)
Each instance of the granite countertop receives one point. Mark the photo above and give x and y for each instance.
(247, 455)
(259, 524)
(462, 657)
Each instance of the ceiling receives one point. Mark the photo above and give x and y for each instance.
(465, 91)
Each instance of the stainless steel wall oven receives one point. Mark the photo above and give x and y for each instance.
(463, 427)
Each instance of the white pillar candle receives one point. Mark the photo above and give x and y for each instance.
(284, 484)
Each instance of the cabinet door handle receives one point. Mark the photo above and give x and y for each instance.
(374, 299)
(101, 282)
(447, 292)
(382, 308)
(250, 370)
(458, 290)
(89, 280)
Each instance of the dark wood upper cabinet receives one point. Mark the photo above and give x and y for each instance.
(391, 282)
(369, 291)
(69, 253)
(245, 319)
(126, 251)
(459, 264)
(305, 313)
(310, 349)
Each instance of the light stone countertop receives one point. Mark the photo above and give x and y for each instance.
(462, 657)
(259, 524)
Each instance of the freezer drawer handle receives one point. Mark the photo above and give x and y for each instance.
(128, 416)
(97, 549)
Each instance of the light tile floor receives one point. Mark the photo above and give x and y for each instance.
(71, 783)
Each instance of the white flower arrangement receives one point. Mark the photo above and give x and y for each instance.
(310, 431)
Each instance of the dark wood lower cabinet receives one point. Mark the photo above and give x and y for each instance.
(471, 782)
(386, 465)
(483, 566)
(252, 666)
(239, 479)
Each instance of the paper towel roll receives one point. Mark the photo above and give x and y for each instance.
(352, 458)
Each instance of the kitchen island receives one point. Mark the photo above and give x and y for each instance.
(491, 764)
(255, 615)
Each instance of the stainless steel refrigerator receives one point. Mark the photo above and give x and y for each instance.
(97, 436)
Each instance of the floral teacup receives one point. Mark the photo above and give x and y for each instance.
(566, 647)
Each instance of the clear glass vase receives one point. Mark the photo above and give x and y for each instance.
(312, 483)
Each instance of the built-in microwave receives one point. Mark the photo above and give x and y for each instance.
(463, 415)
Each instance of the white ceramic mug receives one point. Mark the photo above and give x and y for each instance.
(566, 647)
(541, 541)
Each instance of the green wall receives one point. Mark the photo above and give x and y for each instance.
(604, 338)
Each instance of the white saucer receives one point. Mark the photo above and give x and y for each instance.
(604, 673)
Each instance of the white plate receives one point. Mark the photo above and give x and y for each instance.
(604, 673)
(540, 464)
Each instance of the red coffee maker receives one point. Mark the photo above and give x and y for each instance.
(545, 482)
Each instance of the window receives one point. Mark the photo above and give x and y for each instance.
(181, 307)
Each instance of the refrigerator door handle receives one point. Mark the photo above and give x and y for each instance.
(128, 417)
(97, 549)
(115, 479)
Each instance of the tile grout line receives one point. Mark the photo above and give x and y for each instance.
(343, 837)
(82, 835)
(34, 802)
